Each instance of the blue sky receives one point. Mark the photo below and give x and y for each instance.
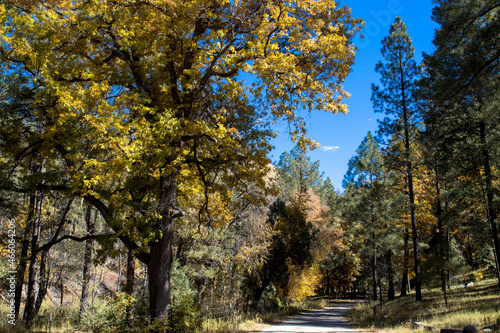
(340, 135)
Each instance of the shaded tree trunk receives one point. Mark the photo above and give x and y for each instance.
(161, 256)
(29, 310)
(374, 268)
(411, 195)
(374, 247)
(61, 286)
(391, 293)
(258, 294)
(492, 212)
(441, 236)
(404, 278)
(44, 281)
(381, 299)
(130, 283)
(159, 268)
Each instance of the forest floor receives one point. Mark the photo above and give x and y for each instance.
(477, 304)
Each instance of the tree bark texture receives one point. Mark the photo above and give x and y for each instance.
(161, 256)
(492, 212)
(411, 195)
(43, 285)
(404, 278)
(391, 294)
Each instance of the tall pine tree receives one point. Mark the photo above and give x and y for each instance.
(397, 99)
(364, 181)
(463, 75)
(298, 173)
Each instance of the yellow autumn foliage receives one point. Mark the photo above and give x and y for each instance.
(303, 283)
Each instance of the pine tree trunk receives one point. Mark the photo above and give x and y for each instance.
(416, 252)
(447, 243)
(374, 248)
(411, 194)
(404, 278)
(441, 239)
(391, 294)
(492, 213)
(374, 269)
(381, 299)
(87, 260)
(61, 286)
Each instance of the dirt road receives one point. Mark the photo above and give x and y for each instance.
(330, 319)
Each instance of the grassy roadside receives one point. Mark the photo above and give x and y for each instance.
(478, 305)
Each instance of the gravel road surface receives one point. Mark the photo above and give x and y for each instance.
(330, 319)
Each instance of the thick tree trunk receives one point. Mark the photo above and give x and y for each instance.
(492, 212)
(161, 256)
(159, 268)
(258, 294)
(87, 260)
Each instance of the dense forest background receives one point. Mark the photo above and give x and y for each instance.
(135, 181)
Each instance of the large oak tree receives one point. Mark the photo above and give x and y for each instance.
(148, 103)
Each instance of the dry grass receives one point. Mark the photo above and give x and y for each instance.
(478, 305)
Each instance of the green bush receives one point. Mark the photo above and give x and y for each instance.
(118, 307)
(186, 316)
(96, 314)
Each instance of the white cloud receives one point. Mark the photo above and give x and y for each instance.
(330, 148)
